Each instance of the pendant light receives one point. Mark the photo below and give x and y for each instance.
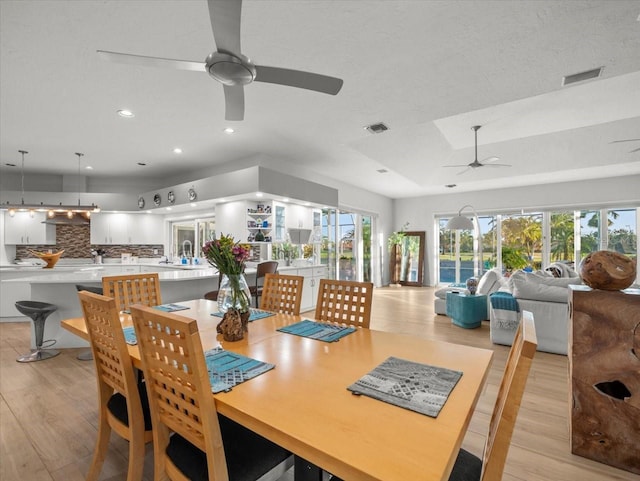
(51, 209)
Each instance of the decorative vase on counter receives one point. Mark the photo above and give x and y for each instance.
(233, 301)
(472, 285)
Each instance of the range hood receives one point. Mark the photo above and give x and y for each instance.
(299, 236)
(62, 219)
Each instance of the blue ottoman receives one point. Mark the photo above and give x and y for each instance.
(466, 310)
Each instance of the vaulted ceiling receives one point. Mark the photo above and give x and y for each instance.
(430, 70)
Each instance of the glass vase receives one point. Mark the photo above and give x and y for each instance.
(234, 293)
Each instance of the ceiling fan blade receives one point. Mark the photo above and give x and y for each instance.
(456, 165)
(234, 102)
(463, 171)
(152, 61)
(625, 140)
(634, 150)
(225, 23)
(489, 160)
(298, 78)
(496, 165)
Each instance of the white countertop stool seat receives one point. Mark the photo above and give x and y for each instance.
(38, 312)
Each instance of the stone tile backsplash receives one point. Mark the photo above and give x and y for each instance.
(76, 242)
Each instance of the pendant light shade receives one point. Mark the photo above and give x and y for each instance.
(460, 222)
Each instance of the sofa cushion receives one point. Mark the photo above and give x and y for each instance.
(442, 293)
(490, 282)
(540, 288)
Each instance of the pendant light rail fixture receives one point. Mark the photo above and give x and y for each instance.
(51, 209)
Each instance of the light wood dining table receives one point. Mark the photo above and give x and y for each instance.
(304, 405)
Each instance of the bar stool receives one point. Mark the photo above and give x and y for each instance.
(38, 312)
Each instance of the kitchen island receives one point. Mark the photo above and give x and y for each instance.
(177, 283)
(60, 289)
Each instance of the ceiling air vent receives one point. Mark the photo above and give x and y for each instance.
(579, 77)
(377, 128)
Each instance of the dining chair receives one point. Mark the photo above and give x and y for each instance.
(204, 445)
(133, 289)
(123, 404)
(262, 269)
(344, 302)
(87, 355)
(469, 467)
(282, 293)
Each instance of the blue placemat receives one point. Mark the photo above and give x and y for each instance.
(227, 369)
(130, 335)
(321, 331)
(419, 387)
(254, 315)
(171, 307)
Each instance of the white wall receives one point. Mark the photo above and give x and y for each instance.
(420, 212)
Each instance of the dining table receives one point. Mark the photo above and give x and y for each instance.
(303, 403)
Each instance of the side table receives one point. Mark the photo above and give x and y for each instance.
(466, 310)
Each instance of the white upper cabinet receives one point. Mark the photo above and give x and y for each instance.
(127, 229)
(23, 229)
(299, 217)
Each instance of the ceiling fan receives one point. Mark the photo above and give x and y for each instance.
(627, 140)
(488, 162)
(228, 66)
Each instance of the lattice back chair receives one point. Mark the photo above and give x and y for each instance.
(344, 302)
(133, 289)
(282, 293)
(262, 269)
(469, 467)
(123, 405)
(205, 445)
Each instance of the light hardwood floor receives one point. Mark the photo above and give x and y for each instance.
(48, 413)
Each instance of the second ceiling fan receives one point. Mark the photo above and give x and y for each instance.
(229, 66)
(488, 162)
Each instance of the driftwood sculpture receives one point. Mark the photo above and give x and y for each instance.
(233, 325)
(608, 270)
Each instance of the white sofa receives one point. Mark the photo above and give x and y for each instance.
(490, 282)
(544, 295)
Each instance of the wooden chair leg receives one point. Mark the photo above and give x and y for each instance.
(100, 451)
(136, 458)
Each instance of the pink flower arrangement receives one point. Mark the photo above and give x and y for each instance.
(226, 255)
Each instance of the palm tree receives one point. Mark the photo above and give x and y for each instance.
(562, 238)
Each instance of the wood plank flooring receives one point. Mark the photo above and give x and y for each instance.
(48, 414)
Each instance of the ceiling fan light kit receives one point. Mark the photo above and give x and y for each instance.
(229, 66)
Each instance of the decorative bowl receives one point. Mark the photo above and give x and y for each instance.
(49, 257)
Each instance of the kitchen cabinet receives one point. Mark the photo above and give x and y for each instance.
(126, 229)
(311, 285)
(22, 229)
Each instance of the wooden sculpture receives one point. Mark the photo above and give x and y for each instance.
(608, 270)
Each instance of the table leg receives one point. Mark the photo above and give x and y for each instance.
(305, 471)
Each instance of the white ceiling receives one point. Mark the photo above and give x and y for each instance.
(429, 69)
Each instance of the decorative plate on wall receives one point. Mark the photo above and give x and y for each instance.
(140, 202)
(157, 200)
(192, 195)
(171, 197)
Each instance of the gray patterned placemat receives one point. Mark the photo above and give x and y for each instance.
(419, 387)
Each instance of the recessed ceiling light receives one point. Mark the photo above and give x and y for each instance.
(177, 150)
(228, 130)
(222, 200)
(285, 199)
(193, 204)
(141, 163)
(88, 167)
(168, 208)
(259, 194)
(383, 171)
(127, 114)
